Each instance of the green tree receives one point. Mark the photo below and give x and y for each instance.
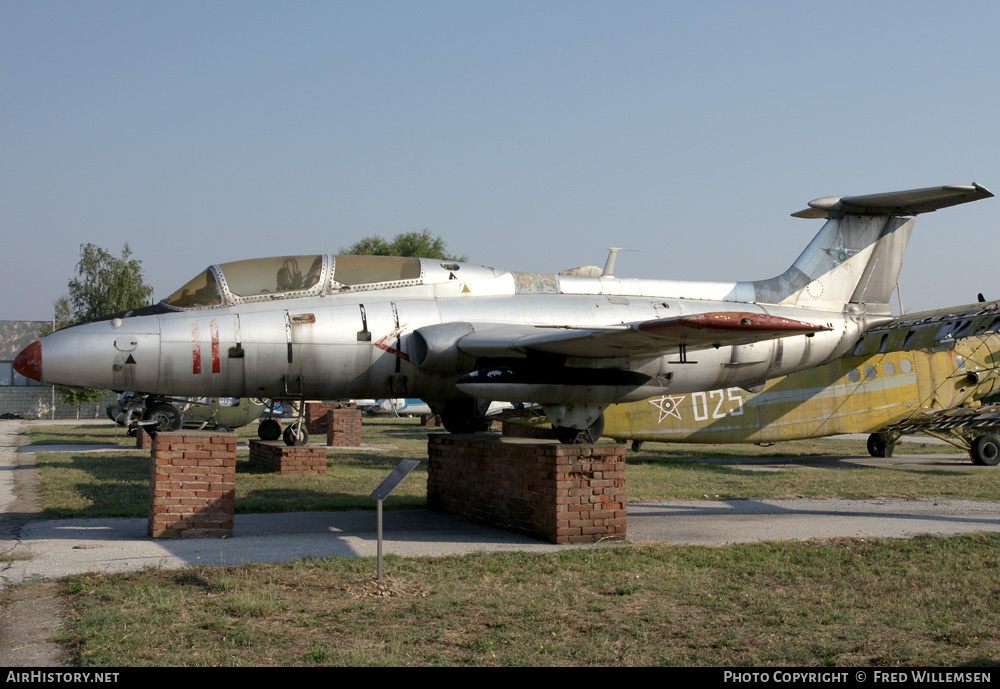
(413, 244)
(62, 316)
(105, 284)
(80, 397)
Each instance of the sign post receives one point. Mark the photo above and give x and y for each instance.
(384, 490)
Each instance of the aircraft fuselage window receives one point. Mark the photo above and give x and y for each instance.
(367, 270)
(274, 275)
(201, 292)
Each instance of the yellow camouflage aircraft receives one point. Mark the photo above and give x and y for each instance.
(934, 372)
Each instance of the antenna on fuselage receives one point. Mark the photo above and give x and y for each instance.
(609, 266)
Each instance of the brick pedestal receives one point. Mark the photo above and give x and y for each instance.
(560, 493)
(339, 422)
(276, 456)
(315, 417)
(344, 428)
(192, 484)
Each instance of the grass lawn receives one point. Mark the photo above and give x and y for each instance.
(115, 484)
(925, 601)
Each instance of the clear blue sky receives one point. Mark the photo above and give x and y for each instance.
(530, 135)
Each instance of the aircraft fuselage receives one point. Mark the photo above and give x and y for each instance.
(360, 345)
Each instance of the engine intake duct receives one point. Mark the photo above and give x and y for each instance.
(435, 348)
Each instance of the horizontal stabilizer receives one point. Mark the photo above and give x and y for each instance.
(900, 203)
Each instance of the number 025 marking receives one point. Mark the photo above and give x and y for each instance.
(728, 402)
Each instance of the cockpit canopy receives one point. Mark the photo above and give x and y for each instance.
(282, 277)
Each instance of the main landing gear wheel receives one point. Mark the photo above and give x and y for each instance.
(166, 416)
(986, 451)
(575, 436)
(878, 447)
(296, 435)
(269, 429)
(465, 415)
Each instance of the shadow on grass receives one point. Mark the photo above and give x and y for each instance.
(80, 435)
(372, 461)
(268, 500)
(94, 485)
(101, 485)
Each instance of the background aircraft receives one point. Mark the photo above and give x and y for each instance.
(226, 413)
(934, 372)
(398, 407)
(456, 335)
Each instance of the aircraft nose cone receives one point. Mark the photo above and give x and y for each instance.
(29, 362)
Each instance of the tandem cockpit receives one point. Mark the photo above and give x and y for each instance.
(288, 277)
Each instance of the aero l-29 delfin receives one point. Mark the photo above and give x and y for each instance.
(457, 335)
(936, 372)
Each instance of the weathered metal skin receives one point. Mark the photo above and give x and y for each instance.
(195, 353)
(322, 326)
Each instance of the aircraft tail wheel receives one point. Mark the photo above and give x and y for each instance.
(575, 436)
(269, 429)
(296, 435)
(986, 451)
(878, 447)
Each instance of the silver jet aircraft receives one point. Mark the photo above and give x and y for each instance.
(455, 334)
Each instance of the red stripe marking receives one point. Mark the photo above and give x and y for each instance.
(195, 349)
(381, 344)
(216, 363)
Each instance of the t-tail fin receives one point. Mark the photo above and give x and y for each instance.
(857, 255)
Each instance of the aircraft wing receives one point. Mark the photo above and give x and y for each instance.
(696, 331)
(930, 330)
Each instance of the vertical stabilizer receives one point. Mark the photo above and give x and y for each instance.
(858, 254)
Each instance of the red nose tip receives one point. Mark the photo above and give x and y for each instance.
(29, 362)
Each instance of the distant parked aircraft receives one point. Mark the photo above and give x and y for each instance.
(934, 372)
